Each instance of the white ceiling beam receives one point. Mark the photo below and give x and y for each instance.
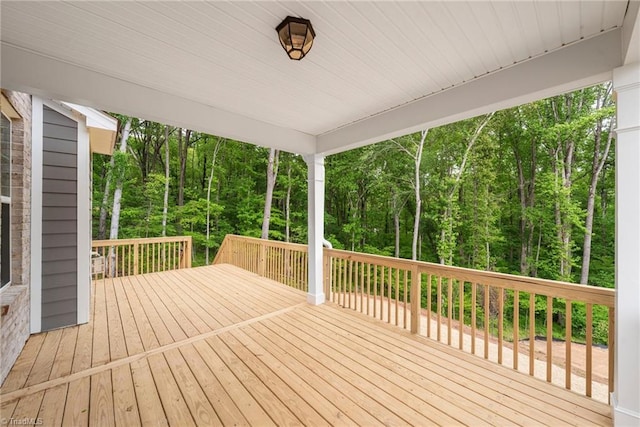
(30, 72)
(578, 65)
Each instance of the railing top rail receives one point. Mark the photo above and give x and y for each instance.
(117, 242)
(273, 243)
(576, 292)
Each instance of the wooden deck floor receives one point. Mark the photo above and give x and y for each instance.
(220, 346)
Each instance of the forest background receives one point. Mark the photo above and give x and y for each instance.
(528, 191)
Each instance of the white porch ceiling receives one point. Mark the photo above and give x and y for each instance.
(377, 69)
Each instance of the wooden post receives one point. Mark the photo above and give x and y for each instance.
(136, 247)
(262, 260)
(187, 252)
(326, 272)
(416, 296)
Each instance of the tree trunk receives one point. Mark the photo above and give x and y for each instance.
(213, 164)
(183, 153)
(448, 215)
(596, 168)
(165, 208)
(272, 174)
(102, 225)
(416, 220)
(396, 228)
(287, 207)
(117, 197)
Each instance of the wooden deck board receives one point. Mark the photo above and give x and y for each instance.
(132, 337)
(76, 409)
(52, 408)
(148, 400)
(218, 345)
(125, 406)
(63, 361)
(44, 361)
(438, 389)
(304, 369)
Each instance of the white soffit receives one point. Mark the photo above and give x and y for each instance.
(218, 67)
(102, 128)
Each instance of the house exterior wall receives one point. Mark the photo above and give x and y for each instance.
(59, 220)
(14, 298)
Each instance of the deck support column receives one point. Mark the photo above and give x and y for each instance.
(315, 207)
(626, 396)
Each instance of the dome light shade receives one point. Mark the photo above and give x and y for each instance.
(296, 36)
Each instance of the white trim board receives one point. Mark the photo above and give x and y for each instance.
(84, 224)
(36, 215)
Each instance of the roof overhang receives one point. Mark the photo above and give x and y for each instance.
(7, 109)
(343, 95)
(102, 128)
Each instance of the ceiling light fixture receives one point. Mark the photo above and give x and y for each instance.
(296, 36)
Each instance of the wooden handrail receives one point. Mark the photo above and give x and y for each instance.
(142, 240)
(126, 257)
(584, 293)
(458, 306)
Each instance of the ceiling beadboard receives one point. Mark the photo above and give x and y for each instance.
(368, 57)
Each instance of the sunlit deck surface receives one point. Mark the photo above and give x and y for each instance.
(219, 345)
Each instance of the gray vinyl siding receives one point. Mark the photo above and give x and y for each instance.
(59, 221)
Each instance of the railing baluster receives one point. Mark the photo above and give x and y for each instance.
(567, 339)
(429, 278)
(350, 282)
(375, 291)
(357, 285)
(532, 332)
(345, 271)
(589, 348)
(461, 314)
(362, 266)
(516, 327)
(397, 296)
(404, 287)
(487, 318)
(449, 308)
(500, 324)
(473, 316)
(389, 283)
(439, 307)
(549, 337)
(368, 287)
(381, 292)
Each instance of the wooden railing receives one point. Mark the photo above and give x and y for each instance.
(126, 257)
(467, 308)
(460, 307)
(283, 262)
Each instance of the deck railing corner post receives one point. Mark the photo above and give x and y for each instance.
(136, 248)
(262, 261)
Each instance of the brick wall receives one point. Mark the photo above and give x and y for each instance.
(14, 298)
